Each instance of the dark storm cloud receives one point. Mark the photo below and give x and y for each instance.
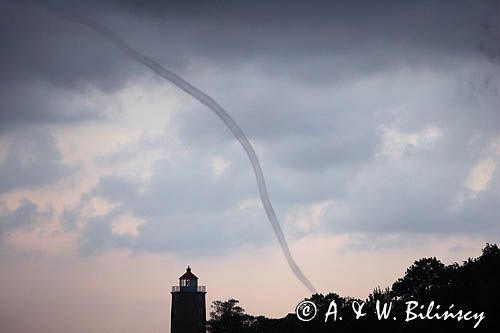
(38, 43)
(38, 104)
(32, 160)
(313, 41)
(43, 56)
(320, 39)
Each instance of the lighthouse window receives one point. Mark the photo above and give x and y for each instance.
(184, 283)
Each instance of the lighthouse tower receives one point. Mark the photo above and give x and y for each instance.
(188, 305)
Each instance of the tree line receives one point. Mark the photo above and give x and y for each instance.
(472, 286)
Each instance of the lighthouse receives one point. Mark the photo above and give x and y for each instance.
(188, 305)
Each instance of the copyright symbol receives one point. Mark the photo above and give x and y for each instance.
(306, 311)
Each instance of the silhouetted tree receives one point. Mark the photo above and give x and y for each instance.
(228, 316)
(424, 280)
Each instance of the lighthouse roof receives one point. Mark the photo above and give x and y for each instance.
(188, 275)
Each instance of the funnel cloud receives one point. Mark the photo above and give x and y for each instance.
(210, 103)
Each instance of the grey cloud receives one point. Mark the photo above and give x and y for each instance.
(186, 209)
(24, 217)
(32, 160)
(42, 59)
(205, 235)
(39, 104)
(411, 197)
(116, 188)
(97, 235)
(317, 38)
(183, 183)
(40, 46)
(185, 234)
(310, 83)
(69, 218)
(333, 158)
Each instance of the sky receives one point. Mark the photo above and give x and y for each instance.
(376, 124)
